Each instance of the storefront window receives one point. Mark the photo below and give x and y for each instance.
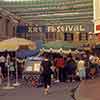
(50, 36)
(46, 35)
(83, 36)
(68, 36)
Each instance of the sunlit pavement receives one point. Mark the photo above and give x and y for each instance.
(59, 91)
(87, 90)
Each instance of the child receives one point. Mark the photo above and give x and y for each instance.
(1, 77)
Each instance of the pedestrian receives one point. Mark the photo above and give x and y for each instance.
(12, 70)
(46, 73)
(92, 72)
(2, 65)
(1, 77)
(60, 68)
(70, 68)
(81, 69)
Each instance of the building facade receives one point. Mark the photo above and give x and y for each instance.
(7, 26)
(66, 20)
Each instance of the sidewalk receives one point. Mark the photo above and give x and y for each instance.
(89, 90)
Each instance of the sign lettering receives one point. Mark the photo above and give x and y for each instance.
(51, 29)
(76, 28)
(70, 28)
(67, 28)
(30, 29)
(54, 28)
(58, 29)
(35, 29)
(62, 29)
(40, 29)
(82, 28)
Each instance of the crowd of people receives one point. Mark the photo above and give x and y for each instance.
(59, 67)
(8, 60)
(70, 67)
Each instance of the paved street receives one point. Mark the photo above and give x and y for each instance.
(88, 90)
(59, 91)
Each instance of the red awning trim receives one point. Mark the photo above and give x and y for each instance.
(98, 27)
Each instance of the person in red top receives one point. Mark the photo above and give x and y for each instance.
(60, 68)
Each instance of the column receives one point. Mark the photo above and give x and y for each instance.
(3, 28)
(0, 26)
(76, 37)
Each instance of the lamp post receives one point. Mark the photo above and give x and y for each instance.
(16, 83)
(16, 67)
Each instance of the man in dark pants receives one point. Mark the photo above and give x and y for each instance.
(46, 73)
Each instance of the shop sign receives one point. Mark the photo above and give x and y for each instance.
(34, 29)
(28, 29)
(67, 28)
(55, 28)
